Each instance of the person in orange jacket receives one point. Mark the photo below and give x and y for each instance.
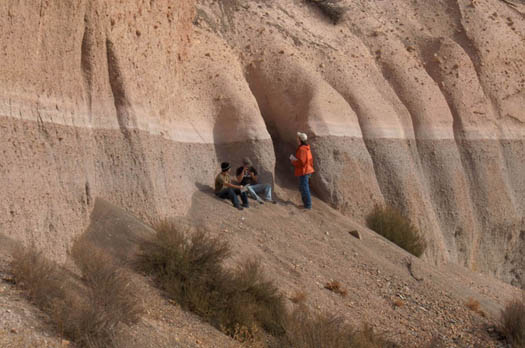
(303, 162)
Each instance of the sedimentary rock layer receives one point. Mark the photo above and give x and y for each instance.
(416, 104)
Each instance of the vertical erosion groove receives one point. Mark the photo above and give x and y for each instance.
(86, 62)
(135, 149)
(259, 86)
(118, 90)
(462, 39)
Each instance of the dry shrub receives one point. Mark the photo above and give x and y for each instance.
(336, 287)
(42, 279)
(305, 329)
(513, 322)
(110, 298)
(298, 297)
(86, 311)
(389, 223)
(190, 269)
(330, 8)
(474, 306)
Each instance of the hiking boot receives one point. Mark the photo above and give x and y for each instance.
(238, 207)
(245, 205)
(260, 201)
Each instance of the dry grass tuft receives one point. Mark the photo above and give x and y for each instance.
(330, 8)
(513, 322)
(240, 302)
(42, 279)
(305, 329)
(87, 311)
(110, 298)
(190, 269)
(474, 306)
(336, 287)
(298, 297)
(389, 223)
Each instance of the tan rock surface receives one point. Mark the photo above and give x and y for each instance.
(418, 104)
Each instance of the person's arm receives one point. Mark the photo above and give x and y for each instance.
(301, 158)
(227, 184)
(240, 174)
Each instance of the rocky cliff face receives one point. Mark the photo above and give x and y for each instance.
(416, 103)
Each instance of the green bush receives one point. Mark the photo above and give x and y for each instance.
(389, 223)
(190, 269)
(513, 322)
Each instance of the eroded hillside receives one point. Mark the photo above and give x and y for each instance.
(416, 103)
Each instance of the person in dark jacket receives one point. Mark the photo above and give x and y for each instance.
(225, 189)
(248, 177)
(304, 167)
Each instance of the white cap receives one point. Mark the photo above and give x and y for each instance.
(302, 136)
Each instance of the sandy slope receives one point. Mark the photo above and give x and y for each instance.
(302, 251)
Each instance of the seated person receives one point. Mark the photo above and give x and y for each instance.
(247, 176)
(225, 189)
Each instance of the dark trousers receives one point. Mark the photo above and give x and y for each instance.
(304, 187)
(231, 194)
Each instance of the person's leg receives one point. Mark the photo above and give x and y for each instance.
(308, 201)
(301, 188)
(305, 191)
(265, 189)
(230, 194)
(268, 192)
(252, 189)
(222, 194)
(244, 197)
(233, 197)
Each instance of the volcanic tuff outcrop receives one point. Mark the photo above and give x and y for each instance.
(415, 103)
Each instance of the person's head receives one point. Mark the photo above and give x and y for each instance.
(301, 138)
(246, 162)
(225, 167)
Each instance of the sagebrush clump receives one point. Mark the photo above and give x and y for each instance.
(513, 322)
(190, 269)
(240, 301)
(389, 223)
(306, 329)
(86, 311)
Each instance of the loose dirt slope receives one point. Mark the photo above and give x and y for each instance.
(300, 251)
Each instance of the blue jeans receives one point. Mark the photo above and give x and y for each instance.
(232, 195)
(304, 187)
(260, 188)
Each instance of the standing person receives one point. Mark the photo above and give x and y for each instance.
(304, 167)
(225, 189)
(248, 177)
